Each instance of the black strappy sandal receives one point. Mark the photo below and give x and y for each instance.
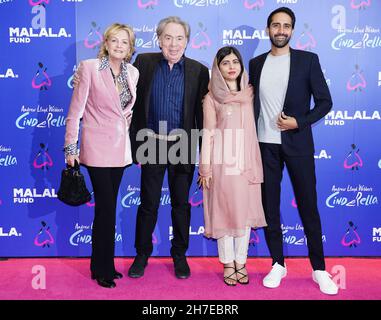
(239, 280)
(229, 277)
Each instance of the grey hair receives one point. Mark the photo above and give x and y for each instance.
(172, 19)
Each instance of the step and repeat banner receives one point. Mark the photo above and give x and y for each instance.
(42, 42)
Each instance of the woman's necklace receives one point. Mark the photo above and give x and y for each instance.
(115, 78)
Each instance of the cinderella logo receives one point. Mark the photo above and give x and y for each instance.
(44, 238)
(196, 199)
(144, 4)
(37, 3)
(306, 40)
(41, 79)
(254, 238)
(248, 4)
(351, 238)
(43, 159)
(357, 81)
(94, 37)
(130, 199)
(353, 160)
(83, 235)
(201, 39)
(360, 4)
(70, 80)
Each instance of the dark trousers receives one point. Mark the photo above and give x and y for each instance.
(302, 175)
(105, 182)
(179, 181)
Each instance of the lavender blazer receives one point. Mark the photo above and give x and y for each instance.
(104, 140)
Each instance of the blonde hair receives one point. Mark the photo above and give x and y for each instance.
(111, 30)
(163, 23)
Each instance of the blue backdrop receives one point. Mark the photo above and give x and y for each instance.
(42, 41)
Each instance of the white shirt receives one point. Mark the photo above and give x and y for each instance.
(272, 92)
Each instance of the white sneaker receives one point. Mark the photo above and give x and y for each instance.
(323, 279)
(273, 279)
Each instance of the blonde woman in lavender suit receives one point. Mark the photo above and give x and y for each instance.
(104, 94)
(230, 165)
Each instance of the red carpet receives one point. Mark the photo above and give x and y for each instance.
(69, 279)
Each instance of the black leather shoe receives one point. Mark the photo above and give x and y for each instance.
(106, 283)
(182, 270)
(137, 268)
(117, 275)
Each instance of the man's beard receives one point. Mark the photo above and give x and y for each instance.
(280, 43)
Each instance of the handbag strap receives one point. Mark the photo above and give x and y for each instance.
(76, 165)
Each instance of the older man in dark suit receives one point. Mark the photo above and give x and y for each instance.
(168, 107)
(284, 81)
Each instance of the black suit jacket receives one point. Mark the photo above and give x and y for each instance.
(306, 79)
(196, 87)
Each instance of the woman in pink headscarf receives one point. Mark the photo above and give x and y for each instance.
(230, 164)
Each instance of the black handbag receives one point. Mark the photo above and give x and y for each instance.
(73, 190)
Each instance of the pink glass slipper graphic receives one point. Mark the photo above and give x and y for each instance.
(94, 37)
(44, 238)
(249, 4)
(356, 81)
(196, 198)
(353, 160)
(254, 238)
(43, 159)
(306, 40)
(144, 4)
(41, 79)
(37, 3)
(360, 4)
(351, 238)
(201, 39)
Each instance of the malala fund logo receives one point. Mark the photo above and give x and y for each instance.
(245, 38)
